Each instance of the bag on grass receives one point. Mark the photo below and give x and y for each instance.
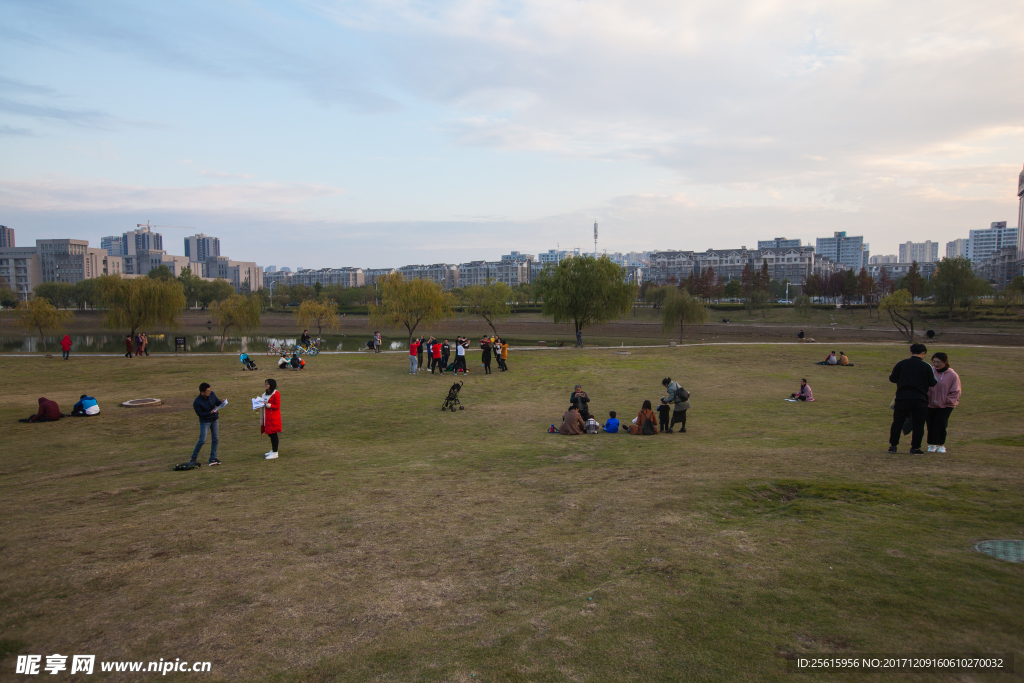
(186, 466)
(591, 427)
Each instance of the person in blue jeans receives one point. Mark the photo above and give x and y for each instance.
(612, 425)
(205, 406)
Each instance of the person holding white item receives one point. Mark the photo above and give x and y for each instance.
(269, 405)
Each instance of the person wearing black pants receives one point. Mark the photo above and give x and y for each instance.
(485, 347)
(446, 353)
(913, 378)
(942, 398)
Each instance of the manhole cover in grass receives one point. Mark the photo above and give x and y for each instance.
(1011, 551)
(142, 402)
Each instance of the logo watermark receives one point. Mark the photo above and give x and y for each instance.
(86, 664)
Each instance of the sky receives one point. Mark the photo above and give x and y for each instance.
(385, 133)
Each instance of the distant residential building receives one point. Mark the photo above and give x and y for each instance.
(114, 245)
(898, 270)
(20, 266)
(270, 269)
(1020, 222)
(958, 247)
(554, 255)
(1000, 267)
(777, 243)
(176, 264)
(6, 237)
(445, 274)
(632, 259)
(888, 258)
(200, 247)
(984, 243)
(847, 250)
(345, 277)
(371, 275)
(922, 252)
(518, 257)
(512, 273)
(285, 269)
(68, 260)
(244, 276)
(795, 264)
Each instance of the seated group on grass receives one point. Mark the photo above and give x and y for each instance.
(49, 411)
(578, 420)
(832, 359)
(295, 363)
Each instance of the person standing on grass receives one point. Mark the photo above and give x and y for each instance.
(485, 355)
(460, 355)
(503, 358)
(414, 346)
(145, 343)
(446, 353)
(270, 417)
(942, 398)
(376, 342)
(128, 345)
(205, 406)
(579, 398)
(913, 378)
(435, 354)
(419, 354)
(679, 399)
(65, 346)
(579, 339)
(138, 344)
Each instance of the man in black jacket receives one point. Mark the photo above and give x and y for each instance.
(912, 377)
(205, 406)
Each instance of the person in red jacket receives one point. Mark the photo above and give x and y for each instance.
(128, 345)
(270, 417)
(414, 348)
(435, 354)
(65, 346)
(49, 411)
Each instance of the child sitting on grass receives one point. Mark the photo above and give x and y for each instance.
(612, 425)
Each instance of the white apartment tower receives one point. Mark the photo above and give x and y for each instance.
(922, 252)
(984, 243)
(199, 248)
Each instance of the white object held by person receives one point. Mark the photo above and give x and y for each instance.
(258, 403)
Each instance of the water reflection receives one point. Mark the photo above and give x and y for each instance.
(199, 343)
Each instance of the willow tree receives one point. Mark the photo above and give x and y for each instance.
(409, 303)
(137, 303)
(901, 311)
(317, 313)
(585, 290)
(238, 313)
(682, 309)
(492, 302)
(39, 314)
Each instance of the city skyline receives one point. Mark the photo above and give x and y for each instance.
(445, 130)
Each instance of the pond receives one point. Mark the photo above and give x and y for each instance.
(198, 343)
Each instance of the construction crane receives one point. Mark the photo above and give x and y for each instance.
(148, 226)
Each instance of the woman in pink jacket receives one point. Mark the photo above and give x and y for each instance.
(942, 398)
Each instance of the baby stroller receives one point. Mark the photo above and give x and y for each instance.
(247, 363)
(453, 398)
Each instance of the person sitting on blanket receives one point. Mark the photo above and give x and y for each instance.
(805, 393)
(843, 359)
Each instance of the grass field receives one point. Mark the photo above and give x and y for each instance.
(395, 542)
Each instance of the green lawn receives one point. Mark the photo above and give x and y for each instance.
(395, 542)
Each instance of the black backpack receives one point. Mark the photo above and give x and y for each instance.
(648, 427)
(185, 466)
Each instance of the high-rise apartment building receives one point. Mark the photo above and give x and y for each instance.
(958, 247)
(777, 243)
(922, 252)
(984, 243)
(19, 266)
(198, 248)
(851, 251)
(114, 245)
(67, 260)
(6, 236)
(883, 259)
(1020, 217)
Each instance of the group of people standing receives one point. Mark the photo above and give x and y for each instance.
(438, 354)
(140, 343)
(498, 348)
(578, 419)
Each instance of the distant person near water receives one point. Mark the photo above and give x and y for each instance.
(65, 346)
